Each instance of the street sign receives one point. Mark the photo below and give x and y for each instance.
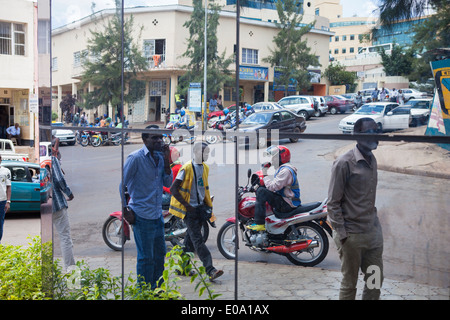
(195, 97)
(33, 103)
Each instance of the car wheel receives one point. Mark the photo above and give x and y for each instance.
(296, 131)
(379, 127)
(333, 110)
(304, 114)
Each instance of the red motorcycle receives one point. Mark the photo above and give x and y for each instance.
(299, 235)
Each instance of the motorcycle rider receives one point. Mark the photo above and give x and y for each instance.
(184, 120)
(282, 191)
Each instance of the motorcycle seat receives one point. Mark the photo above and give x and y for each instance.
(300, 209)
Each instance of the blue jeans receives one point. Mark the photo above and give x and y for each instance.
(151, 249)
(2, 217)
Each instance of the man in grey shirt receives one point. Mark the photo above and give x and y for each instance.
(353, 215)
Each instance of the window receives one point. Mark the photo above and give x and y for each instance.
(229, 94)
(77, 59)
(352, 37)
(336, 51)
(249, 56)
(55, 64)
(336, 38)
(352, 50)
(344, 50)
(155, 51)
(344, 38)
(12, 38)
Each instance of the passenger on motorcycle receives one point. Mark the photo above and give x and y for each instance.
(282, 192)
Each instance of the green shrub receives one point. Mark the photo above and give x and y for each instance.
(22, 270)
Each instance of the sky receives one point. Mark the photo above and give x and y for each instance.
(64, 13)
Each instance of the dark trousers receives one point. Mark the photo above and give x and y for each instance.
(194, 242)
(273, 199)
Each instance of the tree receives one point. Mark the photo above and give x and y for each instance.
(217, 65)
(291, 53)
(103, 69)
(67, 103)
(399, 62)
(337, 75)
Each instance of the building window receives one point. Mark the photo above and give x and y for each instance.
(344, 50)
(344, 38)
(12, 38)
(249, 56)
(317, 12)
(77, 59)
(229, 94)
(55, 64)
(336, 51)
(336, 38)
(352, 50)
(155, 51)
(352, 37)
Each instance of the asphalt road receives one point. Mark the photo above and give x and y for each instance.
(412, 209)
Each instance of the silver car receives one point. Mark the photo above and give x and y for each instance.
(64, 135)
(320, 106)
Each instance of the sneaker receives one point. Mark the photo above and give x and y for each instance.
(257, 227)
(215, 274)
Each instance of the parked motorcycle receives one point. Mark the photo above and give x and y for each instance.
(174, 229)
(298, 235)
(219, 126)
(178, 135)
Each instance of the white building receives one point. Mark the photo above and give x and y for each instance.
(17, 65)
(163, 41)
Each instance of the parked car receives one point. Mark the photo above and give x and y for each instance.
(64, 135)
(263, 106)
(301, 105)
(320, 106)
(30, 186)
(387, 115)
(284, 121)
(420, 110)
(45, 154)
(338, 104)
(8, 151)
(413, 94)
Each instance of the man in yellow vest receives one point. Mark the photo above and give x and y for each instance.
(190, 190)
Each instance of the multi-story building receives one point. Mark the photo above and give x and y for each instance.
(17, 66)
(350, 32)
(163, 41)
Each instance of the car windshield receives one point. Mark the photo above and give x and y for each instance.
(258, 118)
(340, 98)
(418, 104)
(370, 109)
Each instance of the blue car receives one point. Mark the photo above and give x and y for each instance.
(30, 186)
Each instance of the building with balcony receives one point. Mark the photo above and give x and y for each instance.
(163, 41)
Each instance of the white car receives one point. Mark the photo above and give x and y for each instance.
(301, 105)
(413, 94)
(64, 135)
(387, 115)
(420, 110)
(320, 106)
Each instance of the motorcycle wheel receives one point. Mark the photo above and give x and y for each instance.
(211, 138)
(226, 240)
(96, 141)
(112, 233)
(312, 256)
(84, 141)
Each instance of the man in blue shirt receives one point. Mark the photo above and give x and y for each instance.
(14, 132)
(145, 173)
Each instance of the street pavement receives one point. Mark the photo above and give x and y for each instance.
(265, 281)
